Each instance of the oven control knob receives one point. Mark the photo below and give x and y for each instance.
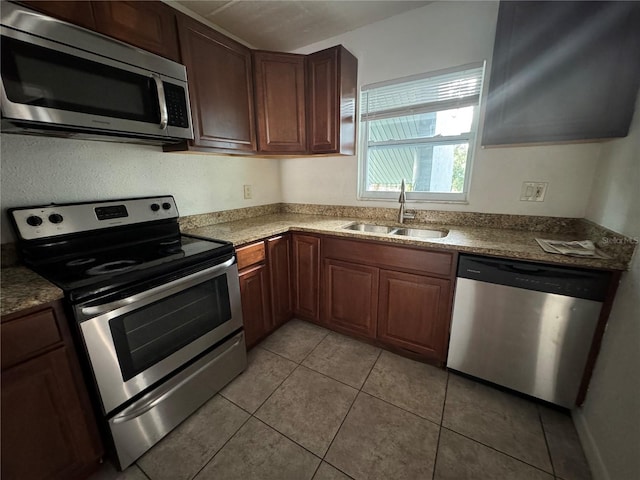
(155, 207)
(55, 218)
(166, 205)
(34, 221)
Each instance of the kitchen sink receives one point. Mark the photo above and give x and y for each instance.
(365, 227)
(418, 232)
(405, 232)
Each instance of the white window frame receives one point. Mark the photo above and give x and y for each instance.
(471, 137)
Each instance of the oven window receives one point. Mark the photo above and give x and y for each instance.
(38, 76)
(149, 334)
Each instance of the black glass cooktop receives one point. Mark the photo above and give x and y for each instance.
(112, 267)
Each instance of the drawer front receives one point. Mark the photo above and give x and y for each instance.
(22, 337)
(418, 260)
(250, 255)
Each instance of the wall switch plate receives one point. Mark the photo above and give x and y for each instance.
(533, 191)
(248, 192)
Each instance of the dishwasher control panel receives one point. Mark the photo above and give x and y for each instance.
(568, 281)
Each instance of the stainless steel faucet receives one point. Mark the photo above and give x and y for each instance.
(402, 214)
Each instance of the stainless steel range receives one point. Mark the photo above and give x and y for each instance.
(158, 313)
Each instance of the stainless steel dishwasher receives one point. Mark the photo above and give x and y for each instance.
(525, 326)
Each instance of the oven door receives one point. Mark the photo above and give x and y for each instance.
(134, 342)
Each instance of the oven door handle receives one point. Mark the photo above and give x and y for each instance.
(146, 404)
(168, 288)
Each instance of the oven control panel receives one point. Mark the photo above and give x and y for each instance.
(54, 220)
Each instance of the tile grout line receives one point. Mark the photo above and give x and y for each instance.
(496, 450)
(435, 459)
(546, 441)
(220, 449)
(251, 415)
(348, 411)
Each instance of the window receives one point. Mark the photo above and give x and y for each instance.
(421, 129)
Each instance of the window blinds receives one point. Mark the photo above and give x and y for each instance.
(453, 89)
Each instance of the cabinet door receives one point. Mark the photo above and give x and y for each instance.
(280, 102)
(149, 25)
(306, 277)
(331, 101)
(78, 13)
(220, 88)
(414, 313)
(256, 308)
(44, 430)
(279, 258)
(351, 297)
(563, 71)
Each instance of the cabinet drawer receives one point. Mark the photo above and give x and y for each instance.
(24, 336)
(250, 255)
(423, 261)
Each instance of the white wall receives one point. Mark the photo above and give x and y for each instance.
(609, 422)
(38, 170)
(437, 36)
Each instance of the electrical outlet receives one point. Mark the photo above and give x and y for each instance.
(248, 193)
(533, 191)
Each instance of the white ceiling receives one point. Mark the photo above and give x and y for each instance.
(288, 25)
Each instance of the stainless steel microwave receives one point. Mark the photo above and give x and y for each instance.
(62, 80)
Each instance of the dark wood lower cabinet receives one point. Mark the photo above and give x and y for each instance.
(48, 428)
(350, 297)
(414, 313)
(256, 305)
(279, 261)
(306, 277)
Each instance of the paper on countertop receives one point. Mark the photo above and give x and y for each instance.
(584, 248)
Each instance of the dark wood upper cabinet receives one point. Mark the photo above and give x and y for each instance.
(306, 277)
(78, 13)
(48, 428)
(414, 313)
(279, 261)
(563, 71)
(148, 25)
(280, 102)
(331, 101)
(220, 89)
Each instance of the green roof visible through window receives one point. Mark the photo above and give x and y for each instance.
(419, 129)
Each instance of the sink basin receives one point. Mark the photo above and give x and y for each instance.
(405, 232)
(418, 232)
(365, 227)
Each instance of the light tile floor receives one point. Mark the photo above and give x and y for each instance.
(314, 404)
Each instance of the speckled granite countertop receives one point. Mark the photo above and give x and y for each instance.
(21, 288)
(517, 244)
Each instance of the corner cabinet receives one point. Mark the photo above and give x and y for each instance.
(306, 277)
(331, 101)
(280, 102)
(279, 261)
(563, 71)
(48, 427)
(220, 90)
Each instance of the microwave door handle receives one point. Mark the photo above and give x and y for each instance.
(162, 101)
(176, 285)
